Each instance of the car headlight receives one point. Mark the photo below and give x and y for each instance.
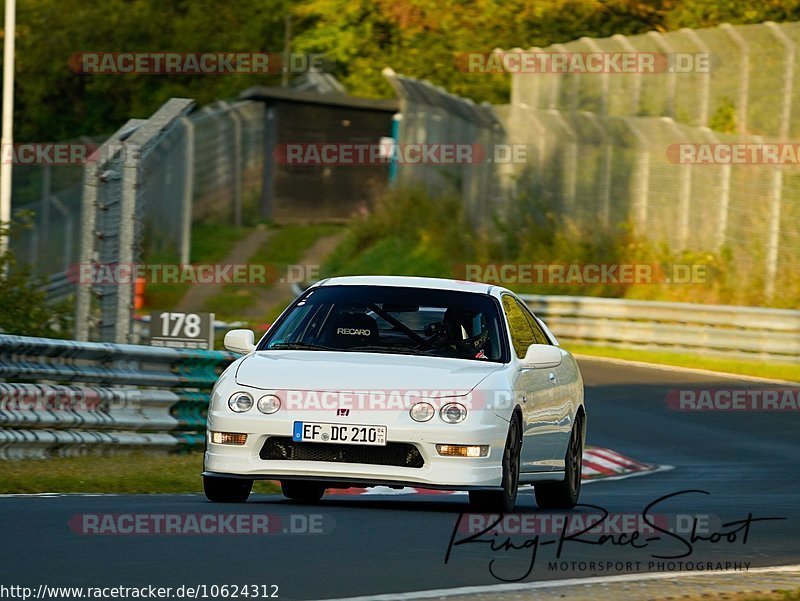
(240, 402)
(452, 413)
(268, 404)
(422, 412)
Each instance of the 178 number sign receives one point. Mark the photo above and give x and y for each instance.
(182, 330)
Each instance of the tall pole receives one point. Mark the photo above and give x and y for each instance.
(8, 119)
(287, 46)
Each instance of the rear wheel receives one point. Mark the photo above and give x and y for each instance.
(564, 494)
(302, 490)
(226, 490)
(503, 501)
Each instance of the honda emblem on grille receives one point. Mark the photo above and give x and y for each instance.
(342, 412)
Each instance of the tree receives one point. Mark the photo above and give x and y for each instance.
(23, 304)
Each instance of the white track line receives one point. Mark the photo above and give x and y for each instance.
(532, 586)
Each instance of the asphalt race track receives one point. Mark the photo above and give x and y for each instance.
(747, 462)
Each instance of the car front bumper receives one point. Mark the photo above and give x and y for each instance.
(459, 473)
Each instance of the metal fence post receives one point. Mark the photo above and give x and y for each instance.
(188, 192)
(570, 167)
(237, 169)
(744, 74)
(46, 193)
(661, 41)
(642, 176)
(127, 225)
(724, 196)
(636, 96)
(705, 88)
(595, 47)
(605, 180)
(776, 185)
(684, 192)
(89, 198)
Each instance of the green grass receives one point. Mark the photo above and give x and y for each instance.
(288, 243)
(286, 246)
(731, 366)
(211, 243)
(136, 473)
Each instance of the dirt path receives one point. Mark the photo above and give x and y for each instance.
(196, 297)
(281, 293)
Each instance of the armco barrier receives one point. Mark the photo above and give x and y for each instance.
(710, 330)
(60, 397)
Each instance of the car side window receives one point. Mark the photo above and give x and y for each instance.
(522, 335)
(538, 334)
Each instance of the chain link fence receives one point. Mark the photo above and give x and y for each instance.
(47, 201)
(430, 116)
(604, 148)
(152, 180)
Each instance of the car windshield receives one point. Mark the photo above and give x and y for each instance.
(386, 319)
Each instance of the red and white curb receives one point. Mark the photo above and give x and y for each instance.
(598, 464)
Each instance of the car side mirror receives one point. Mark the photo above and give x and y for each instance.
(542, 355)
(240, 341)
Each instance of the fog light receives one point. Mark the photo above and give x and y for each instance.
(453, 413)
(228, 438)
(460, 450)
(422, 412)
(269, 404)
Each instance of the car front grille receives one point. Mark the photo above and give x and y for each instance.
(399, 454)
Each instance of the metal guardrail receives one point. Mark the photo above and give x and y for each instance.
(711, 330)
(60, 397)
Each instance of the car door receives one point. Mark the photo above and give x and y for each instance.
(533, 389)
(563, 378)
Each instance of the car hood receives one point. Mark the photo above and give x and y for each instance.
(433, 377)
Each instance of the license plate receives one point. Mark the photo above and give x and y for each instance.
(339, 433)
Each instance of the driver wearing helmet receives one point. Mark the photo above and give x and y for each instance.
(458, 330)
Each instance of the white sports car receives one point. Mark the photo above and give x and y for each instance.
(399, 381)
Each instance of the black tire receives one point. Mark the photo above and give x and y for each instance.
(503, 501)
(302, 490)
(565, 494)
(227, 490)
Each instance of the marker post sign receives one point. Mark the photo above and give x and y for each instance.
(173, 329)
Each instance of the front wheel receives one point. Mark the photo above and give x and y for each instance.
(564, 494)
(226, 490)
(503, 501)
